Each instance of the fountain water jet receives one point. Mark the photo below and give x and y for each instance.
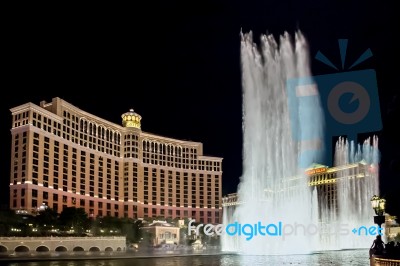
(356, 187)
(273, 186)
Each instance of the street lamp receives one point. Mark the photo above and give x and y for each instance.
(378, 204)
(382, 205)
(375, 203)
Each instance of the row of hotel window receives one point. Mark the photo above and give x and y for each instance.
(172, 201)
(133, 152)
(73, 124)
(55, 197)
(71, 186)
(46, 153)
(103, 206)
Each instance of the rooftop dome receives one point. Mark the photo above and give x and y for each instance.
(131, 119)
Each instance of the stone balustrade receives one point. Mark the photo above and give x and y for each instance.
(61, 244)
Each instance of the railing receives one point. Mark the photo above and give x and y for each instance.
(60, 237)
(385, 261)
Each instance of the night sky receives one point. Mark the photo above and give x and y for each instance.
(178, 66)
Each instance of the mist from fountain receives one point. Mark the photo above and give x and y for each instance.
(273, 187)
(356, 187)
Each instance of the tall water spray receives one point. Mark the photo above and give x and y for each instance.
(273, 186)
(345, 204)
(276, 148)
(355, 187)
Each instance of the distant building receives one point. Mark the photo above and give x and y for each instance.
(324, 178)
(351, 176)
(161, 232)
(230, 200)
(392, 228)
(62, 156)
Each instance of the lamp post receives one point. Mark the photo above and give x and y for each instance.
(378, 204)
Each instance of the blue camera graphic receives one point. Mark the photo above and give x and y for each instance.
(349, 101)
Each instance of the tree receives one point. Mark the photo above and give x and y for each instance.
(109, 225)
(46, 219)
(9, 219)
(128, 230)
(397, 238)
(75, 218)
(137, 232)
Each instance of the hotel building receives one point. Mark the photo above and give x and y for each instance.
(326, 181)
(354, 179)
(62, 156)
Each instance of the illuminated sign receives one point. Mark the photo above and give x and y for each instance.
(316, 171)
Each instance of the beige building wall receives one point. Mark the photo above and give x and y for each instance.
(62, 156)
(325, 179)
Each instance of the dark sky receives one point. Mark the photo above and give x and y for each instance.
(178, 65)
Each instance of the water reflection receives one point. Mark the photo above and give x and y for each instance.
(334, 258)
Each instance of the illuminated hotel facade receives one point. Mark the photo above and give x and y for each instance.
(325, 179)
(62, 156)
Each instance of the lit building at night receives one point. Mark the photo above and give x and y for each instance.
(326, 180)
(62, 156)
(351, 179)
